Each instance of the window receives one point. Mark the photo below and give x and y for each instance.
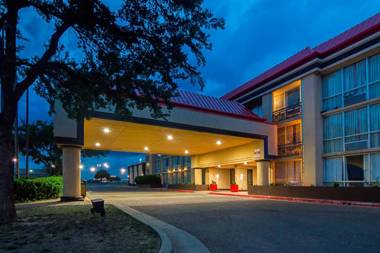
(356, 129)
(289, 140)
(332, 91)
(333, 170)
(374, 116)
(354, 83)
(286, 105)
(288, 172)
(374, 76)
(333, 133)
(349, 85)
(375, 167)
(355, 168)
(292, 97)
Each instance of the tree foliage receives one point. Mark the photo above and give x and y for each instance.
(129, 57)
(102, 174)
(43, 149)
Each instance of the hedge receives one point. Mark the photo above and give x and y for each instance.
(30, 189)
(148, 179)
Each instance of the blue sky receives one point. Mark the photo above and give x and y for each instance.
(258, 35)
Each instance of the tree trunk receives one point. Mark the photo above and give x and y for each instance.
(7, 206)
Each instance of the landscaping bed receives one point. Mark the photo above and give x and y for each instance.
(72, 228)
(362, 194)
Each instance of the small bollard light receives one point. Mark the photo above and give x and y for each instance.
(98, 207)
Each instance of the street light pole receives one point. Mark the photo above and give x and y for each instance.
(27, 133)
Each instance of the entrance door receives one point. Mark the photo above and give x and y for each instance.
(203, 176)
(232, 176)
(249, 177)
(355, 168)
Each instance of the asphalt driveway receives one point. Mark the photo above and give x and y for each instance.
(234, 224)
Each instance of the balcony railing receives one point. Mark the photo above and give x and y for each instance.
(287, 112)
(291, 149)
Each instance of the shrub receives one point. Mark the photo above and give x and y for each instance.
(148, 179)
(30, 189)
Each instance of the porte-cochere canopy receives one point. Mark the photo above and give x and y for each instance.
(212, 131)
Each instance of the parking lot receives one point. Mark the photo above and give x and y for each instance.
(234, 224)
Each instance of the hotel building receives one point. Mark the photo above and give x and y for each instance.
(313, 119)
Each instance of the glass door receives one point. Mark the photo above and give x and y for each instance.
(355, 168)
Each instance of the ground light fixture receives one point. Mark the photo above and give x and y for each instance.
(97, 144)
(169, 137)
(218, 142)
(106, 130)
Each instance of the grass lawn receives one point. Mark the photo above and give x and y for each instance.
(69, 228)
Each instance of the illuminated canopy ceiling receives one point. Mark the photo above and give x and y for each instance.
(135, 137)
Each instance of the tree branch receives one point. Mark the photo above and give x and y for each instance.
(38, 67)
(2, 19)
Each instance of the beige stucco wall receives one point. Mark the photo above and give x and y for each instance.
(267, 101)
(312, 130)
(241, 178)
(63, 126)
(197, 176)
(223, 181)
(263, 172)
(229, 156)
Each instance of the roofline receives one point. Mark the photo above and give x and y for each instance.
(228, 114)
(315, 54)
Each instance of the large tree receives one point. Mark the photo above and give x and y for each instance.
(129, 58)
(44, 150)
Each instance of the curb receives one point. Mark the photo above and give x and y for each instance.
(173, 239)
(166, 245)
(305, 200)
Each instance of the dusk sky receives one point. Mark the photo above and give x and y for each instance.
(258, 35)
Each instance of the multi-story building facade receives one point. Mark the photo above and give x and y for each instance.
(326, 104)
(173, 169)
(313, 119)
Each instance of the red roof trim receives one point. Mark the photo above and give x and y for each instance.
(343, 40)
